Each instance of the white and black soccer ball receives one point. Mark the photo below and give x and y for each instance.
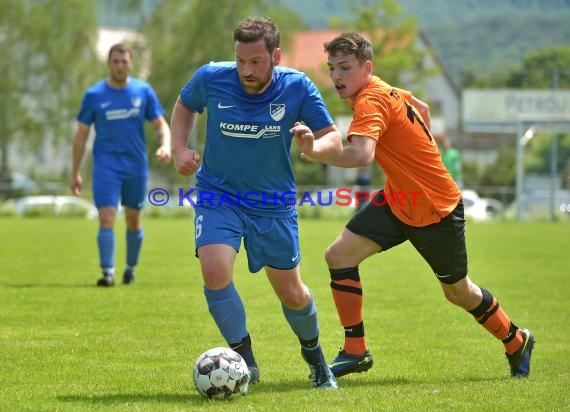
(220, 373)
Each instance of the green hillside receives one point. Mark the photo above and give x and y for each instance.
(479, 36)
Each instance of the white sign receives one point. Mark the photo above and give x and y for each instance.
(497, 111)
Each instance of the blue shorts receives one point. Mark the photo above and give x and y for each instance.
(109, 187)
(268, 241)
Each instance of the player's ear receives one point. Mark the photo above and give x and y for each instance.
(368, 67)
(276, 57)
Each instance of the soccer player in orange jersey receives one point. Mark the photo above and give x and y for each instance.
(420, 203)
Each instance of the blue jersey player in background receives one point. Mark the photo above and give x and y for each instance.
(118, 106)
(245, 183)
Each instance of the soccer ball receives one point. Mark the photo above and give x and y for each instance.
(220, 373)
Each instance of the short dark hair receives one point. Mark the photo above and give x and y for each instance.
(121, 48)
(253, 29)
(351, 43)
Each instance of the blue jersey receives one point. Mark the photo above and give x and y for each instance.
(246, 160)
(119, 116)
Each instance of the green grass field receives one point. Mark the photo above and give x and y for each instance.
(66, 345)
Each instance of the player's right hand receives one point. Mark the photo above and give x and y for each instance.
(76, 185)
(187, 162)
(304, 138)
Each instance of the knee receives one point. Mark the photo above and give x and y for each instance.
(133, 218)
(215, 277)
(134, 224)
(333, 257)
(295, 298)
(106, 222)
(466, 296)
(107, 217)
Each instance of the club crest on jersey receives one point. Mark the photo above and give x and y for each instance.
(277, 111)
(136, 101)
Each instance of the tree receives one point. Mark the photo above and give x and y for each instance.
(502, 172)
(543, 69)
(46, 60)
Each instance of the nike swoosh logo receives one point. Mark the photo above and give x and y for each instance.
(221, 106)
(360, 362)
(341, 363)
(103, 105)
(295, 257)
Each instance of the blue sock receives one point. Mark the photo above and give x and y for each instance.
(134, 243)
(303, 322)
(305, 325)
(227, 309)
(106, 244)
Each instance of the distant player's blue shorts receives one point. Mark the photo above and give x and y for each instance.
(268, 241)
(109, 187)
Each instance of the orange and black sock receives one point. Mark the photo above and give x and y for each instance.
(490, 315)
(347, 295)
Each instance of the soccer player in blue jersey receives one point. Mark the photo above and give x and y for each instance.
(245, 183)
(118, 107)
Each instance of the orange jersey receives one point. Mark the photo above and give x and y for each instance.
(419, 189)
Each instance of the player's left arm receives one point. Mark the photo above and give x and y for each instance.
(164, 151)
(321, 146)
(423, 109)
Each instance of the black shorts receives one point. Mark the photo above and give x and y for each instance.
(442, 244)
